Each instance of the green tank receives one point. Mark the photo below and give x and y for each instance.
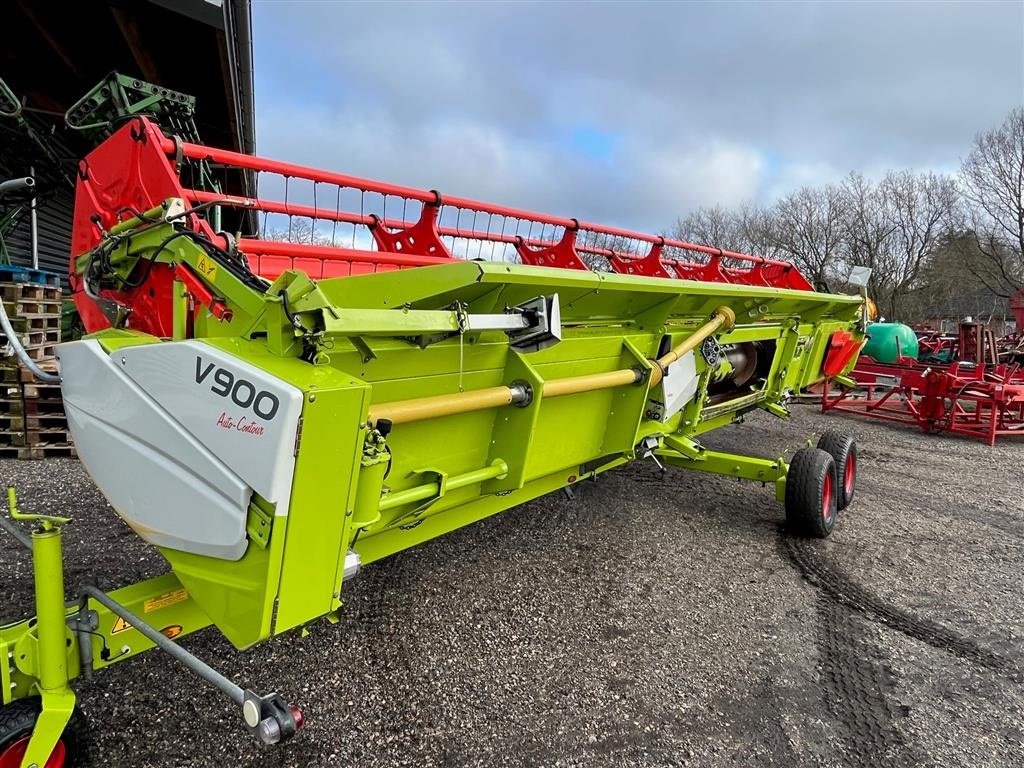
(888, 341)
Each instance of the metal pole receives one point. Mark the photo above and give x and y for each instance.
(13, 529)
(48, 570)
(201, 668)
(35, 223)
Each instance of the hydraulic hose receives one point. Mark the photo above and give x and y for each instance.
(19, 350)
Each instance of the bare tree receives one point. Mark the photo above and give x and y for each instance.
(716, 226)
(761, 231)
(867, 229)
(749, 229)
(921, 207)
(893, 226)
(809, 226)
(992, 181)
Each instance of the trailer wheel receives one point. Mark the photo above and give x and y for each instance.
(811, 493)
(18, 719)
(844, 451)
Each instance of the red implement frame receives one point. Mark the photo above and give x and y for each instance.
(979, 401)
(383, 226)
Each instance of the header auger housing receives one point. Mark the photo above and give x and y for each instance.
(272, 428)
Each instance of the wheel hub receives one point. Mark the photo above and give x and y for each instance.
(826, 498)
(14, 753)
(850, 473)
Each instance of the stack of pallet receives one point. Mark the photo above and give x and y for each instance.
(32, 420)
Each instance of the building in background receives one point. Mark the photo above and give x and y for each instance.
(982, 306)
(52, 56)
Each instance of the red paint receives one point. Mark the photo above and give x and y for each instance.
(139, 167)
(12, 756)
(826, 498)
(985, 402)
(842, 348)
(850, 474)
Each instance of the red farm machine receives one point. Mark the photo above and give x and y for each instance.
(280, 388)
(969, 383)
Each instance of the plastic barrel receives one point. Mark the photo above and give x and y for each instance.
(888, 341)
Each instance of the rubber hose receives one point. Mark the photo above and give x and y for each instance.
(16, 185)
(19, 350)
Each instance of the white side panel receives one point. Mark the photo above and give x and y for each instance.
(245, 416)
(677, 388)
(169, 487)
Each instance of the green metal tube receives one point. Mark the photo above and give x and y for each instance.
(49, 584)
(420, 492)
(157, 212)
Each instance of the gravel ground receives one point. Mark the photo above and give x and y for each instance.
(647, 622)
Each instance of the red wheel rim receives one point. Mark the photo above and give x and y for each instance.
(826, 498)
(850, 474)
(12, 756)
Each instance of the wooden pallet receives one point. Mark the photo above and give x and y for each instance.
(42, 407)
(29, 323)
(12, 437)
(42, 353)
(40, 390)
(32, 307)
(45, 422)
(32, 420)
(48, 436)
(29, 292)
(12, 372)
(35, 339)
(41, 451)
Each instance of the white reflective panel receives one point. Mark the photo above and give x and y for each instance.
(164, 482)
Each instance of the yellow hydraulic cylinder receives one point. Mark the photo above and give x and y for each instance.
(422, 408)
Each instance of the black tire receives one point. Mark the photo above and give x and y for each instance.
(810, 493)
(18, 719)
(844, 452)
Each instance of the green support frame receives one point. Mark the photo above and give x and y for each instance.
(474, 425)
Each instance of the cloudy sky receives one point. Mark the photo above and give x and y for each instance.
(625, 112)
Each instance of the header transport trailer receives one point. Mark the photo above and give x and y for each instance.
(272, 416)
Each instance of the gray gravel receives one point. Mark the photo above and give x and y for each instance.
(648, 622)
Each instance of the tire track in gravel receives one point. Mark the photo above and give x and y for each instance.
(858, 690)
(857, 685)
(840, 588)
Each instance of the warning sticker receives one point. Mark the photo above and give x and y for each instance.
(120, 625)
(156, 603)
(172, 631)
(207, 267)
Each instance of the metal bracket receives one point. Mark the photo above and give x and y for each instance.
(47, 522)
(543, 328)
(269, 717)
(258, 525)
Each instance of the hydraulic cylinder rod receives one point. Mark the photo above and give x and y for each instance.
(423, 408)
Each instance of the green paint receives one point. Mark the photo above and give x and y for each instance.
(357, 342)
